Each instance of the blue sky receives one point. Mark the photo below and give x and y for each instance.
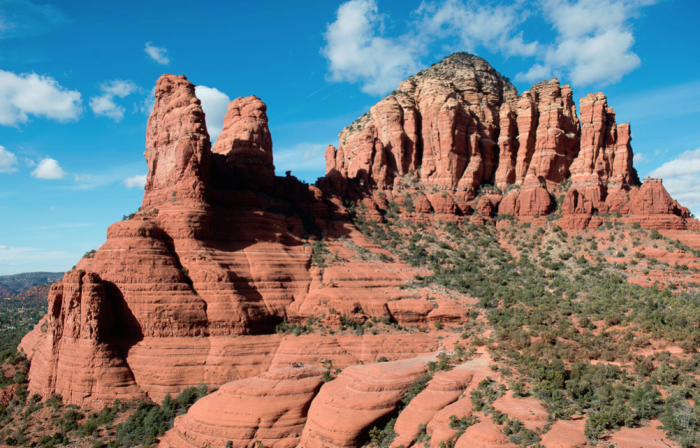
(76, 80)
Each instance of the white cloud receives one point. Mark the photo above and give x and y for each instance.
(215, 105)
(4, 247)
(639, 158)
(31, 94)
(681, 177)
(158, 54)
(593, 44)
(356, 51)
(303, 157)
(146, 105)
(684, 189)
(493, 27)
(104, 105)
(8, 161)
(48, 169)
(536, 73)
(684, 164)
(137, 181)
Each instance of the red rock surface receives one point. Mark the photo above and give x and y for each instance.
(565, 434)
(475, 131)
(444, 389)
(270, 408)
(246, 143)
(349, 406)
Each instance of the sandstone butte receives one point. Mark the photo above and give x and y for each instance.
(191, 288)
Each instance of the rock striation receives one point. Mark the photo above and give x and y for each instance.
(270, 408)
(461, 128)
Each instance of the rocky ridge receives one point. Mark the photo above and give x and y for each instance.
(460, 129)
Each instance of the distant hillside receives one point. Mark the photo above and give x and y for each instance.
(12, 284)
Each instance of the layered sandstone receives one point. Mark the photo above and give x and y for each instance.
(246, 143)
(270, 408)
(348, 407)
(208, 257)
(462, 128)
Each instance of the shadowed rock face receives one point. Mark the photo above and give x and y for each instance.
(246, 143)
(460, 127)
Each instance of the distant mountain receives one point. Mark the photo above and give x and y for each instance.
(12, 284)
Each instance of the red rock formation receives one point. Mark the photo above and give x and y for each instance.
(450, 112)
(73, 355)
(446, 121)
(270, 408)
(347, 407)
(177, 144)
(220, 249)
(443, 390)
(245, 141)
(208, 258)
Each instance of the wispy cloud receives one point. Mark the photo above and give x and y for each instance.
(104, 105)
(22, 259)
(137, 181)
(77, 225)
(593, 43)
(19, 18)
(8, 161)
(146, 104)
(158, 54)
(684, 164)
(676, 100)
(303, 157)
(681, 177)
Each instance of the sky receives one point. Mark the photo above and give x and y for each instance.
(77, 79)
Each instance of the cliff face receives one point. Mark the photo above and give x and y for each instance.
(218, 250)
(461, 128)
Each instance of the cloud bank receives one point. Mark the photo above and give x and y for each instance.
(592, 45)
